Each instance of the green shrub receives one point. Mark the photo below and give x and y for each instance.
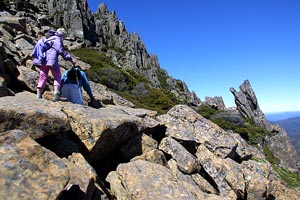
(111, 77)
(291, 179)
(155, 99)
(248, 130)
(270, 156)
(93, 57)
(159, 100)
(224, 124)
(162, 78)
(207, 111)
(251, 133)
(261, 160)
(138, 78)
(152, 99)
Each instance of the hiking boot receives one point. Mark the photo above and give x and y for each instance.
(56, 97)
(62, 99)
(39, 93)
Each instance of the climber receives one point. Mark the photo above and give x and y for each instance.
(71, 83)
(55, 41)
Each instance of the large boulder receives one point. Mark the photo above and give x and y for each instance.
(29, 171)
(145, 180)
(191, 129)
(100, 130)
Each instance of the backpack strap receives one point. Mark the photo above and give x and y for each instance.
(49, 44)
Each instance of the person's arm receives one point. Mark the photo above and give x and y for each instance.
(86, 85)
(64, 53)
(63, 78)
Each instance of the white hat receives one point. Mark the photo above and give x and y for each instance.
(62, 32)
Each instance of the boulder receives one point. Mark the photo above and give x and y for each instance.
(145, 180)
(30, 171)
(186, 162)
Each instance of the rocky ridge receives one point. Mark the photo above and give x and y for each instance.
(125, 153)
(59, 150)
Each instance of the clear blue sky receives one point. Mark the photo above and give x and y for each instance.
(213, 45)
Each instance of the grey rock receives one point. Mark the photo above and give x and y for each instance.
(28, 78)
(30, 171)
(186, 161)
(19, 23)
(283, 149)
(247, 105)
(135, 180)
(23, 44)
(216, 102)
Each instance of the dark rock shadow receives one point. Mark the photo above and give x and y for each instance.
(64, 144)
(236, 157)
(75, 193)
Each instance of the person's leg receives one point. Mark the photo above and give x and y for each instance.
(42, 81)
(65, 91)
(75, 94)
(57, 80)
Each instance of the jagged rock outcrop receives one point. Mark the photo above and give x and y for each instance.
(181, 91)
(134, 55)
(215, 102)
(75, 16)
(247, 105)
(278, 141)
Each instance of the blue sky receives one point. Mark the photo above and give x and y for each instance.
(213, 45)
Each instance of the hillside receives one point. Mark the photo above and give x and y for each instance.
(292, 127)
(151, 138)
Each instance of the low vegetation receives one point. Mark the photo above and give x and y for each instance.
(247, 129)
(291, 179)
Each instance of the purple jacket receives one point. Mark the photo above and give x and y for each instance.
(57, 48)
(38, 51)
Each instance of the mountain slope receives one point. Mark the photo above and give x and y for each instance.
(292, 127)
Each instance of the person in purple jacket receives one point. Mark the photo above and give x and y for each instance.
(55, 42)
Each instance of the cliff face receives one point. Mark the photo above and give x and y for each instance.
(58, 150)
